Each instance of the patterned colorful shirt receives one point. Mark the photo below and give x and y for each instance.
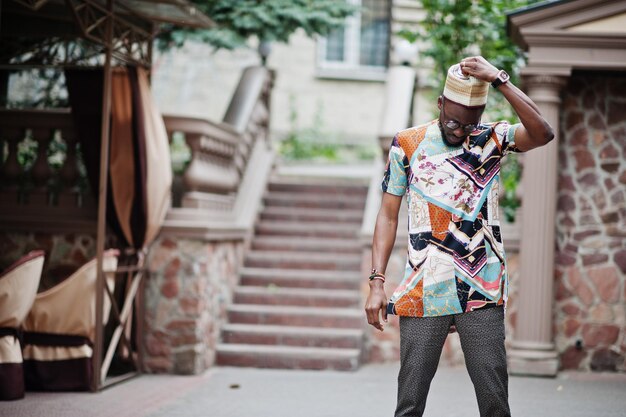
(456, 261)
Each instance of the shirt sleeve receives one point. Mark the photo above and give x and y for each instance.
(395, 178)
(506, 136)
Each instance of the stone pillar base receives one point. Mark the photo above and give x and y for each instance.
(191, 283)
(533, 360)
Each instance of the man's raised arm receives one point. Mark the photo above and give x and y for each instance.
(535, 130)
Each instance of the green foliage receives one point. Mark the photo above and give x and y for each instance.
(56, 153)
(454, 29)
(180, 154)
(511, 173)
(315, 143)
(305, 144)
(39, 89)
(267, 20)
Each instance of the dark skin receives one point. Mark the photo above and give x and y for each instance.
(463, 115)
(534, 132)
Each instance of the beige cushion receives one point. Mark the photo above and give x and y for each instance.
(70, 306)
(18, 288)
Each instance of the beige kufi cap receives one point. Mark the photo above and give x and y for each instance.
(465, 89)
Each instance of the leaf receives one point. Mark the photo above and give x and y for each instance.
(272, 20)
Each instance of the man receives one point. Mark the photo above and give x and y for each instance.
(455, 275)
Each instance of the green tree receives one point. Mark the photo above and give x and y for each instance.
(454, 29)
(267, 20)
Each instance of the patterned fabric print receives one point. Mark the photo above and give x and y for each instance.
(456, 261)
(482, 339)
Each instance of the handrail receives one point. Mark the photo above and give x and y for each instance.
(195, 125)
(252, 87)
(220, 151)
(397, 115)
(37, 118)
(399, 99)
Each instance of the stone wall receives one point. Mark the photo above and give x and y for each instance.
(590, 310)
(189, 287)
(65, 253)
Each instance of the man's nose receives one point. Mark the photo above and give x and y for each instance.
(459, 133)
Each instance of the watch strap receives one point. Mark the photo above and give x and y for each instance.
(498, 81)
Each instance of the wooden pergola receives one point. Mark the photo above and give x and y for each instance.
(68, 33)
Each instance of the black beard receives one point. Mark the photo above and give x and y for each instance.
(444, 137)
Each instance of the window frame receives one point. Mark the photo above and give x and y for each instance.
(351, 68)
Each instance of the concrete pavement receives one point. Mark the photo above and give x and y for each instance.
(370, 391)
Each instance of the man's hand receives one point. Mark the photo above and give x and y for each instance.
(376, 304)
(479, 67)
(535, 130)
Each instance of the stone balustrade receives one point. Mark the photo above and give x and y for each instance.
(220, 151)
(213, 148)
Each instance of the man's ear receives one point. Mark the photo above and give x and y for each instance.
(439, 101)
(480, 114)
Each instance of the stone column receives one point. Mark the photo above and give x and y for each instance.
(533, 352)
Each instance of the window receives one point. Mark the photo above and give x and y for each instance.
(360, 49)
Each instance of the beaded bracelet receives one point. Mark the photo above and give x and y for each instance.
(377, 275)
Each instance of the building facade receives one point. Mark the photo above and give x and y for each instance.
(334, 85)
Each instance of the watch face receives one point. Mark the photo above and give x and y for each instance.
(503, 76)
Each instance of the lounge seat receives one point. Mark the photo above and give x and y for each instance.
(60, 329)
(18, 287)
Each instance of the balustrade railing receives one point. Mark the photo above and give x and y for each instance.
(33, 181)
(40, 169)
(220, 152)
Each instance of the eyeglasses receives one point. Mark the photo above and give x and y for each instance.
(454, 124)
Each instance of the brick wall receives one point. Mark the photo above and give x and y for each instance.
(590, 310)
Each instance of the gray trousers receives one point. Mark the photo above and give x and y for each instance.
(482, 340)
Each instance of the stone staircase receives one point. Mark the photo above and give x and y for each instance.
(298, 304)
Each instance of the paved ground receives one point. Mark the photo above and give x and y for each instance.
(240, 392)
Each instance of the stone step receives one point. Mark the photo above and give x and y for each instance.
(287, 357)
(302, 214)
(296, 316)
(311, 297)
(303, 260)
(312, 200)
(292, 336)
(309, 229)
(291, 186)
(295, 278)
(309, 244)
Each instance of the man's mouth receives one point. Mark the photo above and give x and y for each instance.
(454, 140)
(450, 139)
